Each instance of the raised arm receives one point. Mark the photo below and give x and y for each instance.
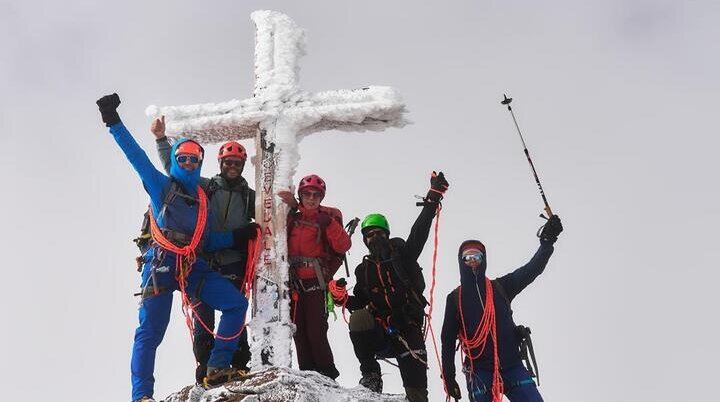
(152, 179)
(421, 228)
(157, 127)
(515, 282)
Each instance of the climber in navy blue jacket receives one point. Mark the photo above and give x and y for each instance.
(174, 204)
(464, 310)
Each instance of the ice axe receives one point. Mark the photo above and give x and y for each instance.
(350, 229)
(506, 101)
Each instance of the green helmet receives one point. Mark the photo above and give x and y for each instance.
(375, 221)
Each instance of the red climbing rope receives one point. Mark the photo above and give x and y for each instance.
(254, 247)
(340, 296)
(184, 259)
(431, 331)
(478, 341)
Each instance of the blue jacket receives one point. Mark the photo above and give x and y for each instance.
(179, 215)
(473, 289)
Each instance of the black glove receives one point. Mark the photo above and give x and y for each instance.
(243, 235)
(108, 105)
(438, 186)
(453, 389)
(553, 227)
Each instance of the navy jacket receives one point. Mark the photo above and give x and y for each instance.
(473, 289)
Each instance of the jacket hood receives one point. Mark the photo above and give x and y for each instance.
(467, 276)
(188, 179)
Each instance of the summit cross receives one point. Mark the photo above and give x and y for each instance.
(278, 116)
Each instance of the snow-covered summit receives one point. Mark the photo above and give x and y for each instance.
(284, 384)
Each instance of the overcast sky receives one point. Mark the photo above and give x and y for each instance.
(616, 99)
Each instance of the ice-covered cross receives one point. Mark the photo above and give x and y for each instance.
(278, 115)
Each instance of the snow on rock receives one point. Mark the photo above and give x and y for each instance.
(283, 385)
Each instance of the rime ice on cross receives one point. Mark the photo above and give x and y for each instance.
(278, 116)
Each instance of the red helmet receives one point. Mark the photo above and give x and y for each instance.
(312, 181)
(232, 148)
(189, 148)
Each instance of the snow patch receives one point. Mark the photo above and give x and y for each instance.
(284, 384)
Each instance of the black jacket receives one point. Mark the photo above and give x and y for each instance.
(393, 291)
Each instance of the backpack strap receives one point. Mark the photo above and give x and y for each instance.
(501, 290)
(175, 190)
(212, 187)
(396, 262)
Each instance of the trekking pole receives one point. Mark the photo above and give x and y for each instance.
(507, 101)
(350, 228)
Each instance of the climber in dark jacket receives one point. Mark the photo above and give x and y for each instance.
(475, 320)
(388, 304)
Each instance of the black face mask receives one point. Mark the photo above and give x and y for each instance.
(379, 247)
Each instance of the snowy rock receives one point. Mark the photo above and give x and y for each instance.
(284, 385)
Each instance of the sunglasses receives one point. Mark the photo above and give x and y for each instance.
(311, 194)
(473, 257)
(185, 158)
(230, 163)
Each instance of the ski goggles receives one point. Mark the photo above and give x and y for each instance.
(474, 256)
(186, 158)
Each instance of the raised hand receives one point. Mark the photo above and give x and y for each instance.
(288, 198)
(553, 227)
(157, 127)
(438, 186)
(108, 105)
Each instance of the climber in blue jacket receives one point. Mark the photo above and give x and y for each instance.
(175, 205)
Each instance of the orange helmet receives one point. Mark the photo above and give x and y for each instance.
(189, 148)
(232, 148)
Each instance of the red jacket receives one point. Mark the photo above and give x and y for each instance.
(305, 237)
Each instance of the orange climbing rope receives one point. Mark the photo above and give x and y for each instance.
(340, 296)
(431, 331)
(478, 341)
(254, 247)
(184, 259)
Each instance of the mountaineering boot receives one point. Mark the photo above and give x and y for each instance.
(220, 375)
(196, 393)
(416, 394)
(372, 381)
(330, 372)
(145, 399)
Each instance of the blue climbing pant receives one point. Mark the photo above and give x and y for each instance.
(154, 316)
(518, 386)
